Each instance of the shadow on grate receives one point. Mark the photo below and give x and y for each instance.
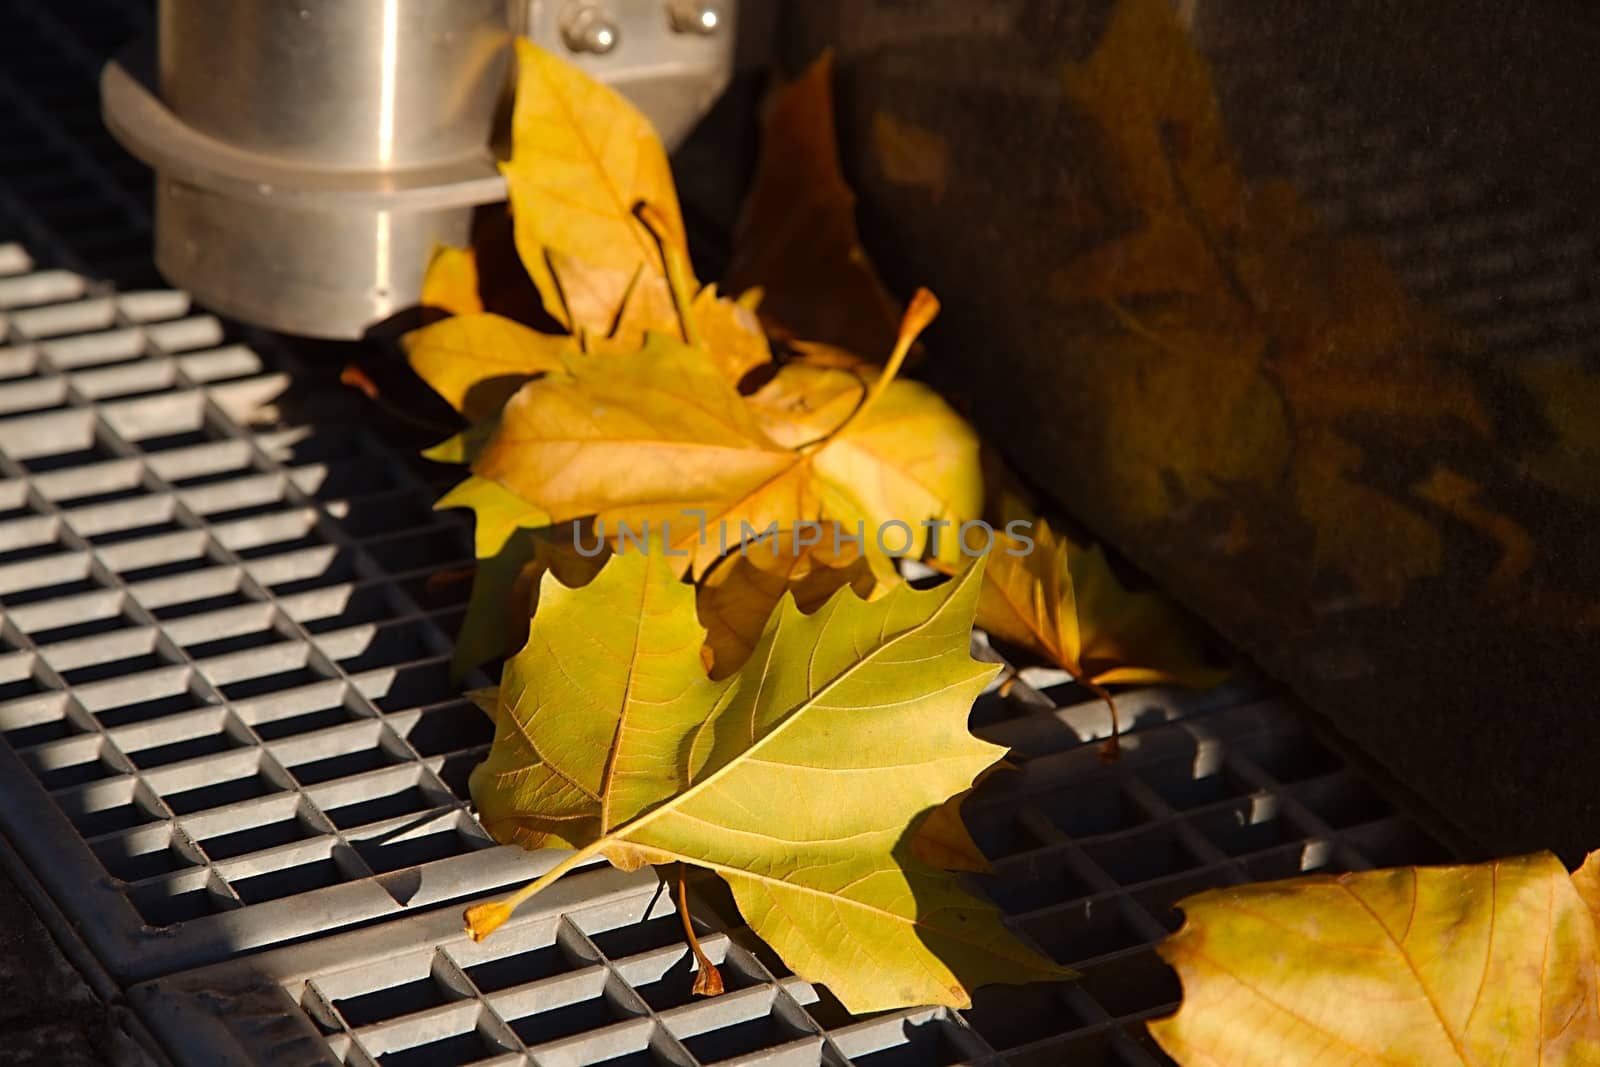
(1209, 793)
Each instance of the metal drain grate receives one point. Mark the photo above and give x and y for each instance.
(216, 673)
(1089, 860)
(227, 727)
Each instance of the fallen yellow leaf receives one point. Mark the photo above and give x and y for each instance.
(806, 401)
(1060, 600)
(731, 333)
(942, 839)
(646, 438)
(908, 460)
(582, 160)
(497, 510)
(612, 309)
(451, 281)
(476, 361)
(554, 552)
(1412, 967)
(493, 622)
(503, 542)
(738, 596)
(798, 779)
(662, 435)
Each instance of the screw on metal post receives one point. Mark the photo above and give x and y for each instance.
(695, 16)
(590, 28)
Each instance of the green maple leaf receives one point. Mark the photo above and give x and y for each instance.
(800, 779)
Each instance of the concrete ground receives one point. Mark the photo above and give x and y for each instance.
(48, 1016)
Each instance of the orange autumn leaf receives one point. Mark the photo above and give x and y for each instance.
(1586, 880)
(610, 309)
(1412, 967)
(942, 839)
(647, 438)
(796, 237)
(657, 435)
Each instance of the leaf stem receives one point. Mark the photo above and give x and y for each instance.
(484, 919)
(922, 310)
(708, 980)
(1112, 749)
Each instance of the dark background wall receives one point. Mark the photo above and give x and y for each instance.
(1347, 407)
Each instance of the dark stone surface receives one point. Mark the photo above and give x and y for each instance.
(48, 1016)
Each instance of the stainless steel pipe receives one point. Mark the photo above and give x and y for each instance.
(365, 84)
(310, 153)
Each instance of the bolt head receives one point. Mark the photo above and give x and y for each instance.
(591, 29)
(702, 17)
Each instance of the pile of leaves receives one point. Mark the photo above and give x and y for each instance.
(690, 513)
(700, 672)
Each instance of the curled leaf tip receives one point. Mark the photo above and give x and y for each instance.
(485, 919)
(356, 378)
(708, 981)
